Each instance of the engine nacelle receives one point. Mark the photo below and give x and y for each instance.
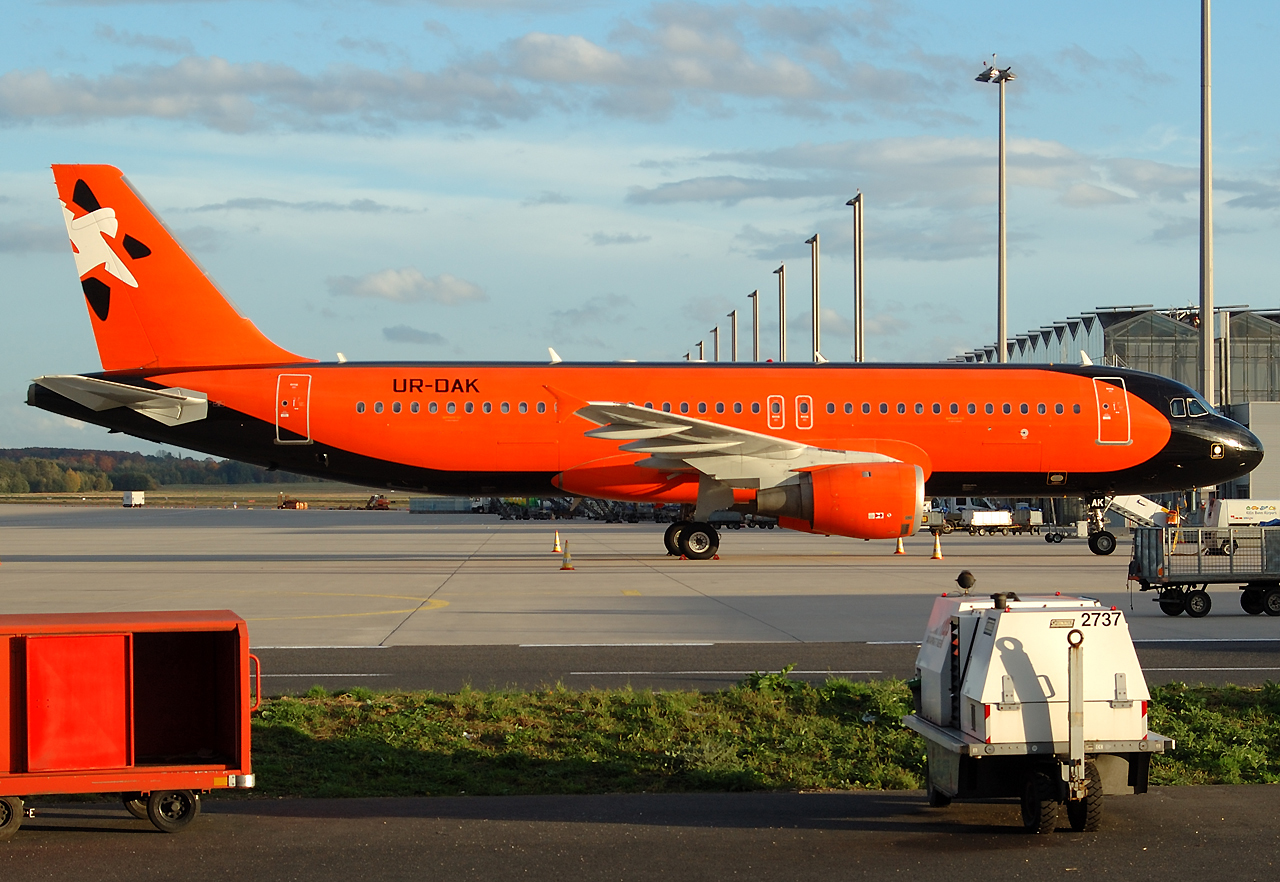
(875, 500)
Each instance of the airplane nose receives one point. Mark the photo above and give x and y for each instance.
(1239, 448)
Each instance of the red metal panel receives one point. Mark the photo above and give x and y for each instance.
(6, 706)
(119, 623)
(78, 702)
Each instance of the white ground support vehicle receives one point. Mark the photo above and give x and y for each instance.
(1223, 513)
(981, 523)
(1041, 699)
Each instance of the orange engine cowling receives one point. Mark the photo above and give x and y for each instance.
(877, 500)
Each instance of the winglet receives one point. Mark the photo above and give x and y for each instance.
(1084, 358)
(555, 356)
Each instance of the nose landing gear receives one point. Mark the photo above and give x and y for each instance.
(1101, 540)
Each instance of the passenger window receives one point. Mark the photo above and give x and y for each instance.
(866, 407)
(1006, 408)
(432, 407)
(848, 407)
(702, 407)
(1177, 407)
(937, 408)
(469, 407)
(919, 407)
(649, 404)
(377, 407)
(973, 408)
(737, 407)
(755, 407)
(414, 407)
(955, 408)
(1075, 408)
(1022, 408)
(1195, 408)
(902, 408)
(884, 407)
(1040, 408)
(542, 407)
(487, 407)
(524, 408)
(451, 407)
(1057, 408)
(666, 406)
(395, 407)
(359, 407)
(831, 407)
(775, 407)
(804, 407)
(719, 407)
(684, 407)
(505, 408)
(990, 408)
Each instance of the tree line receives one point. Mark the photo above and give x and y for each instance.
(65, 470)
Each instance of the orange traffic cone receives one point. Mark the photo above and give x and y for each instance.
(568, 561)
(555, 549)
(937, 546)
(900, 550)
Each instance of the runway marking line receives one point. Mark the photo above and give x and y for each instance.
(570, 645)
(691, 673)
(630, 593)
(426, 605)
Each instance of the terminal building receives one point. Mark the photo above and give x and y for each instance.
(1167, 342)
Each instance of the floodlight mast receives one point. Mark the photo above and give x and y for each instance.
(754, 297)
(781, 273)
(859, 338)
(993, 74)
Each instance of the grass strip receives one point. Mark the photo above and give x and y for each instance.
(768, 733)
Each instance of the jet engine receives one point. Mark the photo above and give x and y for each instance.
(875, 500)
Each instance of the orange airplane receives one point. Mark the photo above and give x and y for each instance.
(851, 450)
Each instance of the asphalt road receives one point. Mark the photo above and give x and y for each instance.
(690, 666)
(1217, 833)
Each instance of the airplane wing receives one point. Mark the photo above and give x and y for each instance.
(734, 457)
(172, 407)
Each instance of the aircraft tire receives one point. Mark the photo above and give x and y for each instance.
(671, 538)
(699, 541)
(1102, 543)
(1197, 603)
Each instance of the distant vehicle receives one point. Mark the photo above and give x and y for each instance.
(1240, 512)
(981, 523)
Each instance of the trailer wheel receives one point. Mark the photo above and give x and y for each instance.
(1251, 601)
(1171, 602)
(1040, 804)
(1197, 603)
(135, 804)
(1086, 814)
(1057, 537)
(1271, 602)
(1048, 537)
(671, 538)
(948, 527)
(172, 810)
(937, 799)
(10, 816)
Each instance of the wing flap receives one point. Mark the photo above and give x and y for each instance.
(173, 406)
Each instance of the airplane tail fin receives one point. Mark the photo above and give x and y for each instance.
(150, 304)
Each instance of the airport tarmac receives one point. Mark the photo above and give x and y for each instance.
(355, 578)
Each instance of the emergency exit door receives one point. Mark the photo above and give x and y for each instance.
(1113, 410)
(777, 412)
(293, 405)
(804, 412)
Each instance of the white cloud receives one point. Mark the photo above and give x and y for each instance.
(617, 239)
(407, 334)
(408, 285)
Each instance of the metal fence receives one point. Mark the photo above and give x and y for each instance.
(1196, 554)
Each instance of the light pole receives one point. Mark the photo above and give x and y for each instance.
(781, 273)
(754, 296)
(815, 282)
(994, 74)
(858, 335)
(702, 355)
(1206, 214)
(715, 344)
(733, 334)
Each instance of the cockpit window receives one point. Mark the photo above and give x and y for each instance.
(1177, 407)
(1195, 408)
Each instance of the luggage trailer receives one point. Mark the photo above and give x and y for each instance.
(1041, 699)
(151, 705)
(1180, 563)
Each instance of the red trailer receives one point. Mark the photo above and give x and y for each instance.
(151, 705)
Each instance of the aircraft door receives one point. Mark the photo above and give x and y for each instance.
(777, 412)
(1113, 410)
(804, 412)
(293, 406)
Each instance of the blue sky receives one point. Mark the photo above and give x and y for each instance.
(481, 180)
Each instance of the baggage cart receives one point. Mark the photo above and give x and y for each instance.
(151, 705)
(1040, 699)
(1180, 563)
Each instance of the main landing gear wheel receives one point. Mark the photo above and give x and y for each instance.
(1251, 600)
(672, 538)
(1040, 804)
(135, 804)
(699, 541)
(1197, 603)
(1102, 543)
(1086, 814)
(1171, 602)
(172, 810)
(11, 812)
